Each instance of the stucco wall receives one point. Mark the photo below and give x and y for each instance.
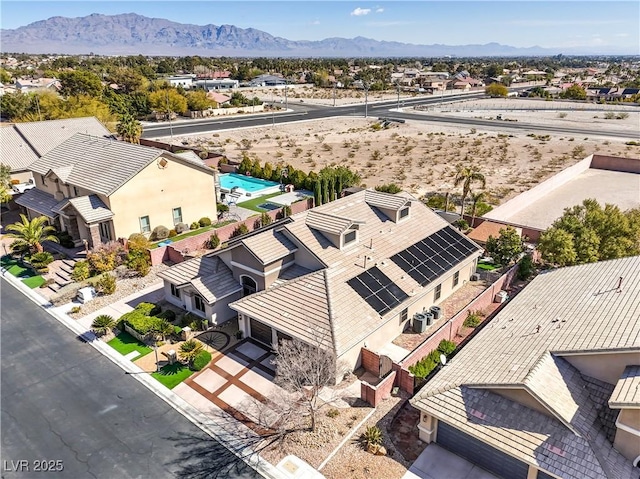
(627, 444)
(607, 367)
(631, 418)
(21, 176)
(155, 191)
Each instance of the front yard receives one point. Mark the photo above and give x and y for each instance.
(171, 375)
(27, 275)
(125, 344)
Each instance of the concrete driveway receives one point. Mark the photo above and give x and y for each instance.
(438, 463)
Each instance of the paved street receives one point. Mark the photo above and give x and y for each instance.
(63, 401)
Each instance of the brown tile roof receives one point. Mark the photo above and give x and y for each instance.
(627, 390)
(481, 233)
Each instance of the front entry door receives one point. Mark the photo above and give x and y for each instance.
(261, 332)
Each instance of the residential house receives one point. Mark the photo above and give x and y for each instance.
(184, 81)
(344, 275)
(549, 388)
(101, 189)
(219, 98)
(39, 84)
(24, 143)
(267, 80)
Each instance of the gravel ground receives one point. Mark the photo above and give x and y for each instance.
(124, 288)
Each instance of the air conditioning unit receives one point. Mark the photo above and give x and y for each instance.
(419, 323)
(474, 277)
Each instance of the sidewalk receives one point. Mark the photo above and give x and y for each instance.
(230, 433)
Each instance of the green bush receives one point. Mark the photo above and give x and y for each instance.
(333, 413)
(525, 268)
(106, 284)
(214, 241)
(80, 271)
(149, 309)
(372, 436)
(446, 347)
(202, 359)
(204, 222)
(427, 364)
(139, 264)
(167, 314)
(195, 225)
(141, 323)
(159, 233)
(240, 230)
(473, 320)
(177, 330)
(172, 233)
(41, 260)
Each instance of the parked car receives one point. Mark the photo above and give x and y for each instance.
(22, 187)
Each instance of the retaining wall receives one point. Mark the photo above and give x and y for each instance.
(614, 163)
(374, 395)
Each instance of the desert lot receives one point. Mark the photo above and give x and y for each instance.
(423, 157)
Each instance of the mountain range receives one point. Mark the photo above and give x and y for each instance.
(132, 34)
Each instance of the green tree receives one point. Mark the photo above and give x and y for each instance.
(5, 183)
(506, 247)
(466, 176)
(167, 101)
(189, 350)
(103, 324)
(128, 80)
(198, 101)
(129, 129)
(574, 92)
(557, 246)
(80, 82)
(476, 198)
(5, 77)
(496, 90)
(17, 105)
(29, 234)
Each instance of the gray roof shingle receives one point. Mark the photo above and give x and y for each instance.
(627, 390)
(91, 208)
(15, 151)
(40, 202)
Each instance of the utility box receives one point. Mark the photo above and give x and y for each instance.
(501, 297)
(86, 294)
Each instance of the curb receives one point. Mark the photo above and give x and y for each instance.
(206, 424)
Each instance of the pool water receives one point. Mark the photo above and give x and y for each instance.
(247, 183)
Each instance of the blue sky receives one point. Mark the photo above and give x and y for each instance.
(591, 24)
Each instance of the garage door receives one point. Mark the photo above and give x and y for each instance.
(479, 453)
(261, 332)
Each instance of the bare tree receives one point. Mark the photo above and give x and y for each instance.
(306, 370)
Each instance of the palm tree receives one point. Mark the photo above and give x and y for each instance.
(29, 234)
(189, 350)
(475, 199)
(467, 176)
(129, 128)
(164, 328)
(103, 324)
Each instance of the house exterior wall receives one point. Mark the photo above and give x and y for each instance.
(216, 313)
(21, 176)
(245, 264)
(627, 444)
(631, 418)
(607, 367)
(154, 192)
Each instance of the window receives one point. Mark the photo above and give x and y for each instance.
(198, 302)
(75, 191)
(177, 216)
(456, 278)
(437, 292)
(249, 286)
(43, 182)
(174, 291)
(145, 225)
(404, 212)
(404, 314)
(349, 237)
(105, 230)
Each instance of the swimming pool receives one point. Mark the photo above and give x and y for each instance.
(247, 183)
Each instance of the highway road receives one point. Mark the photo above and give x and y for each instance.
(71, 412)
(302, 112)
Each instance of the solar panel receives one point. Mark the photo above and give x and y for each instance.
(430, 257)
(378, 290)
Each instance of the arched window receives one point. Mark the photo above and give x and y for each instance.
(249, 286)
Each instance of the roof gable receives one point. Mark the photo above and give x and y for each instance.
(16, 152)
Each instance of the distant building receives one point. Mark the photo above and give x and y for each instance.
(267, 80)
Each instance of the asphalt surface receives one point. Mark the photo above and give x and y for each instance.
(302, 112)
(69, 410)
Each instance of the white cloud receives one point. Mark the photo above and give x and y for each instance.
(358, 12)
(379, 10)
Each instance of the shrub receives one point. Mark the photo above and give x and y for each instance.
(461, 224)
(159, 233)
(333, 413)
(168, 314)
(149, 309)
(103, 324)
(80, 271)
(525, 268)
(222, 208)
(190, 350)
(140, 265)
(201, 360)
(74, 310)
(40, 260)
(138, 258)
(427, 364)
(446, 347)
(106, 258)
(389, 188)
(214, 241)
(472, 320)
(141, 323)
(172, 233)
(204, 222)
(372, 436)
(195, 225)
(182, 227)
(65, 239)
(106, 284)
(240, 230)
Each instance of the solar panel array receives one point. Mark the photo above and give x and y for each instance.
(378, 290)
(429, 258)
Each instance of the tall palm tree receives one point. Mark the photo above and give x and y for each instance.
(475, 199)
(129, 128)
(467, 176)
(189, 350)
(29, 234)
(103, 324)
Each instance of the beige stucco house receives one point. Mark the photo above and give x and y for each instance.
(344, 275)
(550, 388)
(101, 189)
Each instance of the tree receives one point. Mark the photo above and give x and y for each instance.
(5, 183)
(189, 350)
(80, 82)
(103, 324)
(467, 176)
(198, 101)
(29, 234)
(164, 328)
(574, 92)
(496, 90)
(305, 369)
(389, 188)
(506, 247)
(476, 200)
(129, 128)
(167, 101)
(588, 232)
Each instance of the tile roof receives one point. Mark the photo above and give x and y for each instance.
(16, 152)
(382, 200)
(46, 135)
(488, 228)
(209, 275)
(627, 390)
(40, 202)
(270, 246)
(91, 208)
(101, 165)
(327, 223)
